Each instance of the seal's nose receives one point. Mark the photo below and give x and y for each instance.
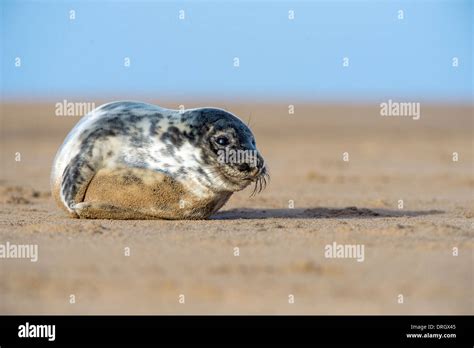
(259, 169)
(250, 169)
(254, 164)
(244, 167)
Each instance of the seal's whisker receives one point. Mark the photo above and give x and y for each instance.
(264, 182)
(254, 190)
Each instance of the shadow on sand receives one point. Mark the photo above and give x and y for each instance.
(319, 213)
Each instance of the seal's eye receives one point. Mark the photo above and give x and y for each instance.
(222, 140)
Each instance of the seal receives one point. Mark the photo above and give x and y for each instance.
(133, 160)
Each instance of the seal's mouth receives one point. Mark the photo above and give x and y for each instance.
(259, 177)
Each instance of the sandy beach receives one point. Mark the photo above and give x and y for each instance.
(314, 199)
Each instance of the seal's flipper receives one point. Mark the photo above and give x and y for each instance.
(75, 180)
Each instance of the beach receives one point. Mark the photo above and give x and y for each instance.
(341, 174)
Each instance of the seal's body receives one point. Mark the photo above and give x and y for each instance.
(132, 160)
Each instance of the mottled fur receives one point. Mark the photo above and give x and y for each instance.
(131, 160)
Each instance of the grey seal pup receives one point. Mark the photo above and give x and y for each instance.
(133, 160)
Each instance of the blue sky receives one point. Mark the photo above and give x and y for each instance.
(279, 58)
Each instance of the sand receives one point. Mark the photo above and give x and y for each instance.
(281, 265)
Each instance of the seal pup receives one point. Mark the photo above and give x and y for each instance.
(133, 160)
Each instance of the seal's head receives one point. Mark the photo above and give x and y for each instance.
(229, 147)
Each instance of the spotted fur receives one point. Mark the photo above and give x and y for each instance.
(178, 145)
